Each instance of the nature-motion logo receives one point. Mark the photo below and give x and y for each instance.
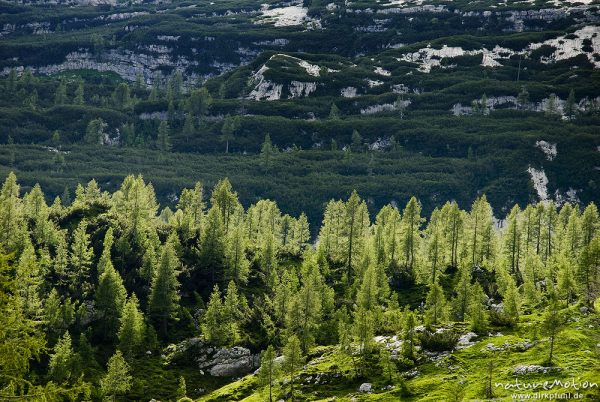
(573, 384)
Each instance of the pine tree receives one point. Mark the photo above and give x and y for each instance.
(293, 361)
(269, 371)
(118, 379)
(163, 301)
(132, 327)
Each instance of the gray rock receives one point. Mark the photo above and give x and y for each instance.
(366, 387)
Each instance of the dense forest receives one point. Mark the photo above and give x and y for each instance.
(110, 296)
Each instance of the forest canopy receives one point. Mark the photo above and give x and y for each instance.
(89, 289)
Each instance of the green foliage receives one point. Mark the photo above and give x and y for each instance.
(118, 379)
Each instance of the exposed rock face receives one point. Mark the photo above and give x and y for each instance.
(219, 362)
(228, 362)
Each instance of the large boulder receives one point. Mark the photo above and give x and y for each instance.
(228, 362)
(219, 362)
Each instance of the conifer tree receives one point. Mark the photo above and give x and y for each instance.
(267, 152)
(435, 305)
(477, 309)
(589, 270)
(292, 361)
(63, 360)
(79, 93)
(212, 245)
(230, 126)
(237, 264)
(570, 107)
(269, 371)
(163, 140)
(60, 97)
(163, 301)
(411, 224)
(11, 214)
(408, 334)
(567, 285)
(80, 261)
(181, 388)
(463, 294)
(94, 133)
(58, 314)
(212, 326)
(132, 327)
(118, 379)
(226, 201)
(552, 321)
(388, 367)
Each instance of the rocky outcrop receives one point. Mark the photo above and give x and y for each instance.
(228, 362)
(218, 362)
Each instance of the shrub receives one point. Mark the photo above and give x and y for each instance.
(438, 341)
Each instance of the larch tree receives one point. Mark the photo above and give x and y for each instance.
(411, 228)
(118, 379)
(356, 223)
(269, 371)
(62, 362)
(211, 326)
(512, 243)
(11, 214)
(409, 334)
(588, 273)
(163, 301)
(477, 309)
(435, 305)
(212, 245)
(80, 261)
(553, 321)
(163, 138)
(110, 293)
(132, 327)
(293, 359)
(226, 201)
